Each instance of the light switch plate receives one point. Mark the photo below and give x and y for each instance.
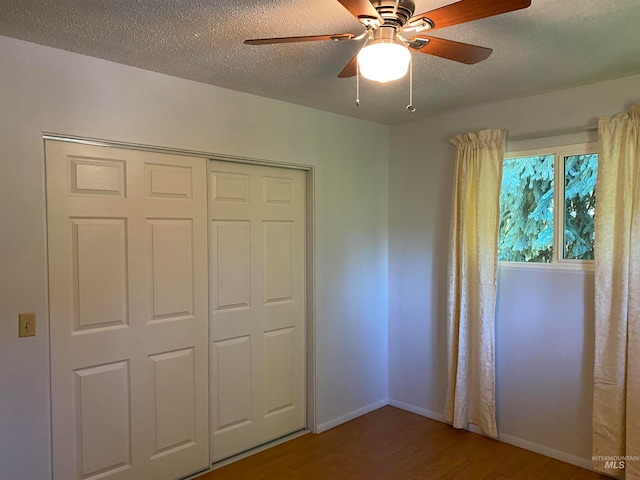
(27, 325)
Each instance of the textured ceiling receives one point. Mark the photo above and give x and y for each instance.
(551, 45)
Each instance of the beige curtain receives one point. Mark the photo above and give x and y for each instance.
(473, 260)
(616, 402)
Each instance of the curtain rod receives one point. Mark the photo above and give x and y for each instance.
(552, 133)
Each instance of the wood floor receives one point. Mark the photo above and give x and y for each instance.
(391, 444)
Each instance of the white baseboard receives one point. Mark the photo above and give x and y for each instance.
(503, 437)
(423, 412)
(546, 451)
(323, 427)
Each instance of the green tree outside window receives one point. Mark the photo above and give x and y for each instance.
(527, 208)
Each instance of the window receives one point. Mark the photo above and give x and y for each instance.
(547, 206)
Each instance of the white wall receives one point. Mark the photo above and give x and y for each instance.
(544, 343)
(47, 90)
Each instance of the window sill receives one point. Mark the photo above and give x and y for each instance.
(567, 266)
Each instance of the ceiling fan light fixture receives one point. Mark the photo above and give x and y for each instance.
(384, 59)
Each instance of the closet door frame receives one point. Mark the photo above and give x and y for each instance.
(310, 327)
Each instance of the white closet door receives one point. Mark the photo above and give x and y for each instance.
(128, 286)
(257, 326)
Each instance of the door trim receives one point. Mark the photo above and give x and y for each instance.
(310, 261)
(175, 151)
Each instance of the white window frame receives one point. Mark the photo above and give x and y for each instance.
(557, 263)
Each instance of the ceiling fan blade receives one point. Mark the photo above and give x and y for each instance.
(469, 10)
(456, 51)
(351, 70)
(308, 38)
(361, 9)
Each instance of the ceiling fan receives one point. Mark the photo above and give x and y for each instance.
(392, 31)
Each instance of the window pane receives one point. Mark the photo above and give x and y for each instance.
(580, 173)
(526, 210)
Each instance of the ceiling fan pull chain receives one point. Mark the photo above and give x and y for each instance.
(410, 107)
(357, 85)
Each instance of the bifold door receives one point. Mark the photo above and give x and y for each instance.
(127, 237)
(257, 302)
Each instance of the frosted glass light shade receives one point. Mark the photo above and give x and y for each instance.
(384, 61)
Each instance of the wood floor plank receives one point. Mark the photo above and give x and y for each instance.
(392, 444)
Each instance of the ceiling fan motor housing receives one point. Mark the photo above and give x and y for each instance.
(395, 14)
